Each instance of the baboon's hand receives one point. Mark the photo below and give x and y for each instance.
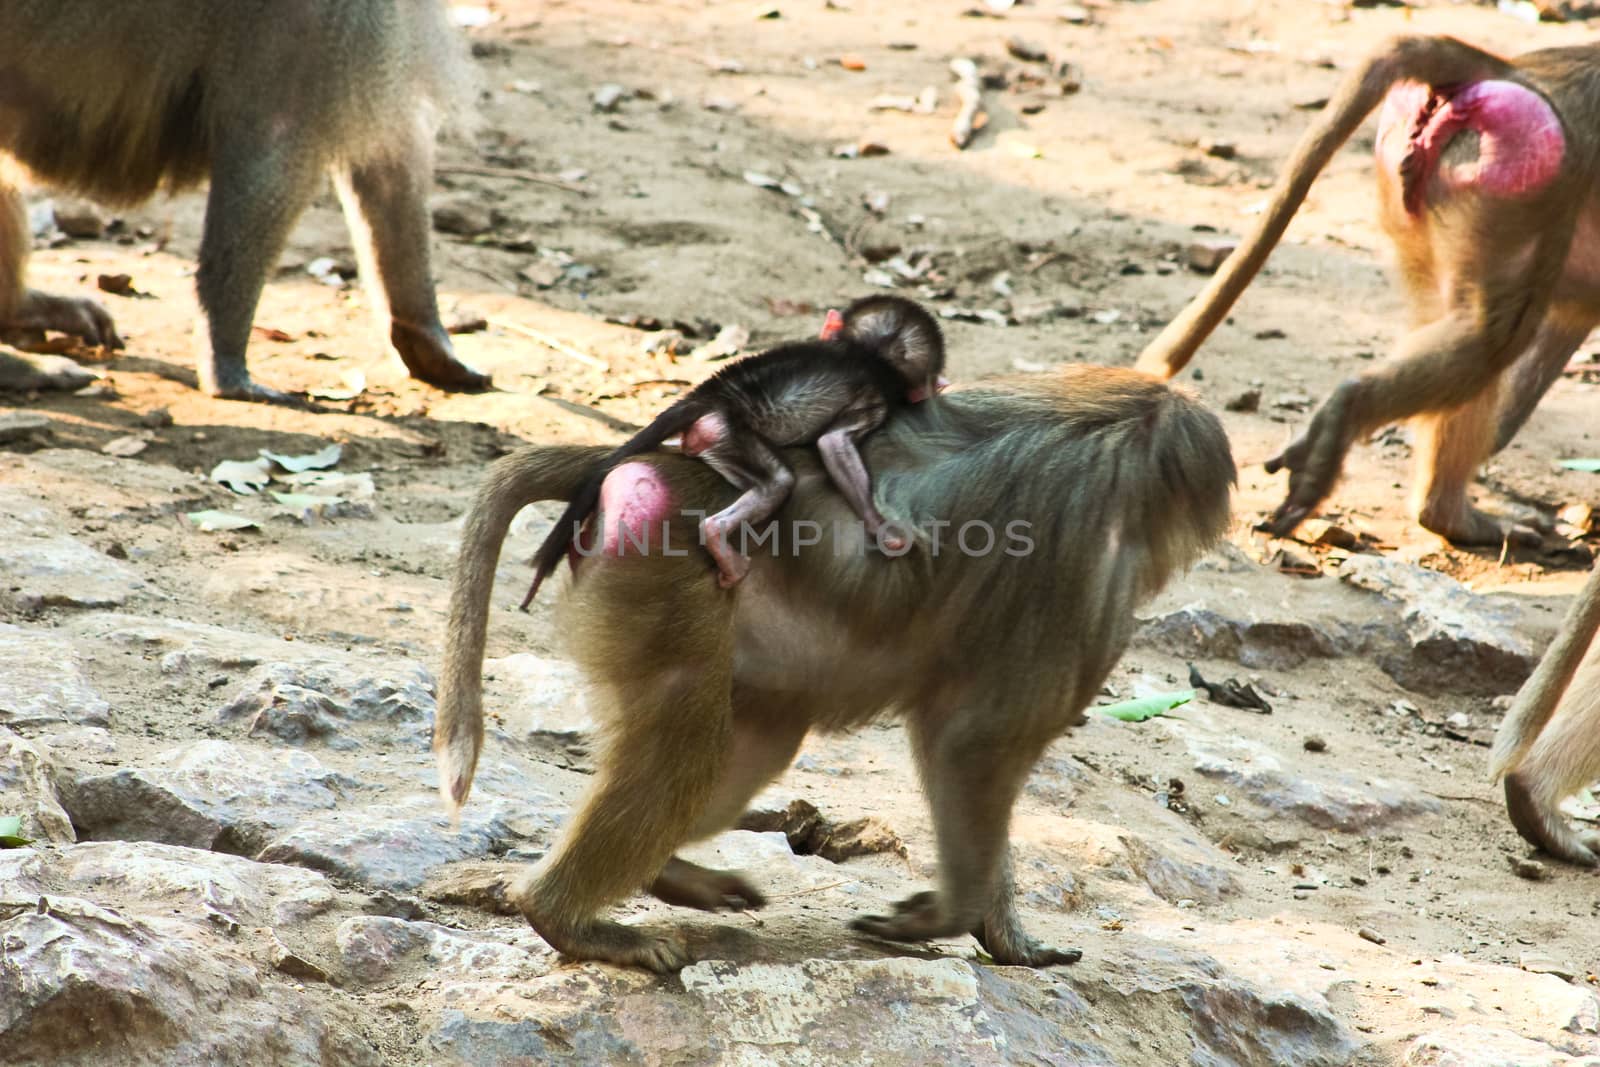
(919, 917)
(78, 316)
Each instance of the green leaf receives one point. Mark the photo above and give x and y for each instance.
(11, 832)
(212, 521)
(1591, 466)
(1147, 707)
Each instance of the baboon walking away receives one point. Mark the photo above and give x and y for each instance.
(1487, 186)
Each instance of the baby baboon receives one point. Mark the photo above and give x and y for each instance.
(883, 353)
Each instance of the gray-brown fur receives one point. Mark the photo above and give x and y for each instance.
(1481, 352)
(1548, 745)
(117, 101)
(708, 693)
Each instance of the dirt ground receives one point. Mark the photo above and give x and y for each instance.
(1081, 204)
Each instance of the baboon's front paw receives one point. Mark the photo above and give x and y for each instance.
(919, 917)
(610, 942)
(1016, 949)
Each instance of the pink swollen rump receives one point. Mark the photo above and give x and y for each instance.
(635, 499)
(1520, 143)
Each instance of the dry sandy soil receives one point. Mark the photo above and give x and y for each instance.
(1083, 203)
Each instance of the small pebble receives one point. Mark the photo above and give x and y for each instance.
(1532, 870)
(1315, 744)
(1368, 934)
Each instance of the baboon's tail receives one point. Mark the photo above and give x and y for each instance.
(525, 476)
(1540, 695)
(1434, 61)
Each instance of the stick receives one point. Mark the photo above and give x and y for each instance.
(971, 118)
(513, 173)
(550, 342)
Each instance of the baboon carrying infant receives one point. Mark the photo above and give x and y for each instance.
(118, 100)
(1051, 505)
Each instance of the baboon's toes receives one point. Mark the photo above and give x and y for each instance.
(256, 393)
(453, 375)
(917, 918)
(688, 885)
(1545, 827)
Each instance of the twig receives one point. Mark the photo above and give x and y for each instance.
(812, 889)
(550, 342)
(971, 118)
(513, 173)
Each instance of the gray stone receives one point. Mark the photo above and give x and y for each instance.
(26, 785)
(190, 648)
(462, 214)
(1316, 795)
(42, 680)
(1486, 1046)
(1262, 643)
(42, 568)
(394, 845)
(319, 699)
(538, 694)
(1454, 640)
(145, 983)
(374, 948)
(1173, 877)
(24, 372)
(208, 794)
(17, 425)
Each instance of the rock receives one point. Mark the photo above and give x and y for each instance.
(148, 984)
(1326, 798)
(1263, 641)
(20, 425)
(540, 694)
(1539, 963)
(485, 886)
(194, 648)
(208, 795)
(26, 785)
(809, 833)
(1205, 256)
(372, 948)
(320, 699)
(608, 96)
(42, 680)
(26, 372)
(40, 568)
(80, 218)
(394, 845)
(1172, 878)
(1454, 640)
(465, 215)
(1247, 401)
(1484, 1046)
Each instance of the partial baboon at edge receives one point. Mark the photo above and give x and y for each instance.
(1548, 745)
(1094, 486)
(1487, 185)
(117, 101)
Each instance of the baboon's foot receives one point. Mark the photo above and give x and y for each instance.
(429, 356)
(919, 917)
(1463, 524)
(1008, 943)
(689, 885)
(1540, 822)
(81, 317)
(255, 393)
(609, 942)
